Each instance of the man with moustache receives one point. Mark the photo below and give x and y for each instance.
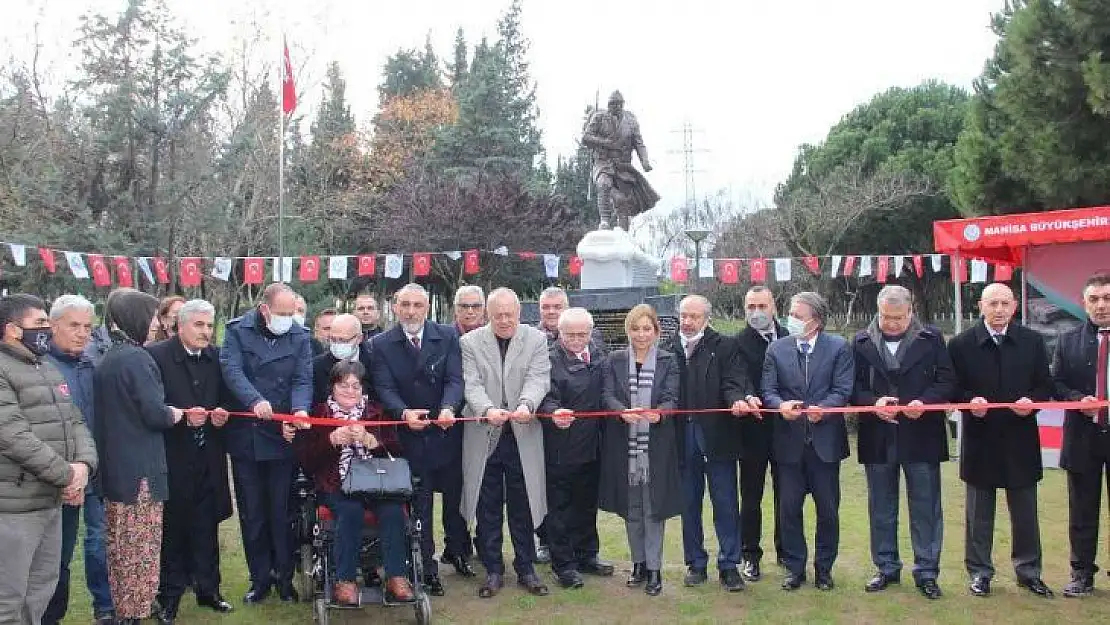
(470, 308)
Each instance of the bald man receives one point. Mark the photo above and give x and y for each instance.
(346, 344)
(999, 361)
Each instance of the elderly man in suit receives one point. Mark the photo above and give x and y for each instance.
(346, 344)
(506, 371)
(418, 378)
(803, 373)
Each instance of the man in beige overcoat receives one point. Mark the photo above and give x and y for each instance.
(506, 371)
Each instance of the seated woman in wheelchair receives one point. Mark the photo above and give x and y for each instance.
(325, 454)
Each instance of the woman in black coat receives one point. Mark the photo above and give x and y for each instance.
(640, 473)
(132, 416)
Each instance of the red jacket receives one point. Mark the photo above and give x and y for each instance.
(320, 459)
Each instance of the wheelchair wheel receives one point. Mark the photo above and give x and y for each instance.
(306, 586)
(320, 610)
(423, 609)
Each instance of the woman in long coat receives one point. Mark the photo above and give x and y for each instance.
(640, 473)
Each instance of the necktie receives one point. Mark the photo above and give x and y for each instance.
(585, 356)
(1100, 378)
(198, 433)
(415, 343)
(690, 345)
(998, 338)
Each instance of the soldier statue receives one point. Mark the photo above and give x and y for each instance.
(622, 191)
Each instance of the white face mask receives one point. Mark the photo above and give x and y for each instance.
(280, 324)
(299, 320)
(795, 326)
(760, 320)
(343, 351)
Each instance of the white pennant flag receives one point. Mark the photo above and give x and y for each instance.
(337, 268)
(899, 262)
(394, 265)
(221, 268)
(283, 269)
(455, 255)
(834, 271)
(936, 260)
(978, 270)
(705, 267)
(864, 266)
(501, 251)
(77, 265)
(782, 269)
(19, 254)
(551, 265)
(144, 266)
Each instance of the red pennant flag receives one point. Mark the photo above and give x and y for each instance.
(758, 269)
(161, 271)
(813, 264)
(288, 89)
(310, 269)
(1003, 272)
(254, 270)
(421, 264)
(366, 265)
(525, 256)
(471, 263)
(961, 271)
(48, 260)
(574, 265)
(99, 270)
(730, 271)
(678, 269)
(882, 268)
(123, 271)
(919, 266)
(849, 266)
(190, 272)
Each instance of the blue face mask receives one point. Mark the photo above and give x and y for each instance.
(795, 326)
(343, 351)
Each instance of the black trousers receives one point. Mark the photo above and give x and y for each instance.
(503, 488)
(262, 491)
(753, 478)
(571, 519)
(1025, 551)
(1084, 505)
(190, 542)
(821, 480)
(446, 480)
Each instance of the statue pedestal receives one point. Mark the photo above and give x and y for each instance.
(612, 260)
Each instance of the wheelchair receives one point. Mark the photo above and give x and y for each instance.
(315, 570)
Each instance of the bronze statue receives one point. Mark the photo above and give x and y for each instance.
(622, 191)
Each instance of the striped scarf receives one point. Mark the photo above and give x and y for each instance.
(349, 451)
(639, 393)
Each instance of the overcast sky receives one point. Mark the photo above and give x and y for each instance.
(754, 78)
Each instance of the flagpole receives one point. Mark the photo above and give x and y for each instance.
(281, 166)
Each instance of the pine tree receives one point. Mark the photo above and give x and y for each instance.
(458, 68)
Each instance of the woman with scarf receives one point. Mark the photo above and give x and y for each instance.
(132, 415)
(640, 477)
(326, 453)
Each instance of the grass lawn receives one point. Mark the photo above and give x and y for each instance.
(608, 601)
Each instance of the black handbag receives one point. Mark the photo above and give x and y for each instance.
(378, 478)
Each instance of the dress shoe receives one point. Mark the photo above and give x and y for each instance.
(638, 574)
(398, 590)
(751, 571)
(823, 581)
(929, 588)
(215, 602)
(654, 584)
(570, 579)
(543, 554)
(731, 580)
(880, 582)
(531, 582)
(596, 566)
(1080, 585)
(980, 586)
(461, 564)
(492, 586)
(695, 576)
(256, 595)
(1036, 586)
(793, 582)
(345, 594)
(434, 586)
(287, 593)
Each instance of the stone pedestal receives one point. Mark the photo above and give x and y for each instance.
(612, 260)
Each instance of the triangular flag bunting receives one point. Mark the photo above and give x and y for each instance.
(813, 264)
(883, 268)
(455, 255)
(899, 265)
(937, 261)
(834, 270)
(864, 266)
(849, 265)
(919, 266)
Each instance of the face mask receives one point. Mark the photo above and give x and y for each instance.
(760, 320)
(795, 326)
(280, 324)
(37, 340)
(299, 320)
(343, 351)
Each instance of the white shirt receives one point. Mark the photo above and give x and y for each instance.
(892, 346)
(419, 336)
(191, 352)
(994, 334)
(693, 339)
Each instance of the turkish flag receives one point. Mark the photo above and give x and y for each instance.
(421, 264)
(310, 269)
(758, 269)
(525, 255)
(48, 260)
(123, 271)
(882, 268)
(849, 265)
(470, 261)
(574, 266)
(99, 269)
(161, 271)
(190, 272)
(366, 265)
(1003, 272)
(288, 89)
(254, 270)
(678, 269)
(813, 264)
(959, 270)
(730, 271)
(919, 266)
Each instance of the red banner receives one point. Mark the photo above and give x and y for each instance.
(190, 272)
(849, 266)
(309, 269)
(123, 271)
(99, 270)
(758, 269)
(366, 265)
(421, 264)
(813, 264)
(574, 266)
(882, 268)
(1004, 238)
(1003, 272)
(161, 271)
(730, 271)
(678, 269)
(471, 264)
(48, 259)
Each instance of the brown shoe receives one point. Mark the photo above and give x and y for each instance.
(345, 593)
(398, 589)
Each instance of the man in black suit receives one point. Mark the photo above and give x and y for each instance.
(369, 315)
(346, 344)
(999, 361)
(808, 371)
(197, 462)
(756, 432)
(321, 331)
(1079, 369)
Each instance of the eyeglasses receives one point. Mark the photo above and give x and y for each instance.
(469, 306)
(349, 386)
(576, 335)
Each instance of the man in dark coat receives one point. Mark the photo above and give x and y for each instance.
(369, 315)
(711, 375)
(900, 362)
(1079, 369)
(196, 458)
(267, 365)
(346, 344)
(756, 433)
(997, 360)
(571, 449)
(809, 370)
(418, 378)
